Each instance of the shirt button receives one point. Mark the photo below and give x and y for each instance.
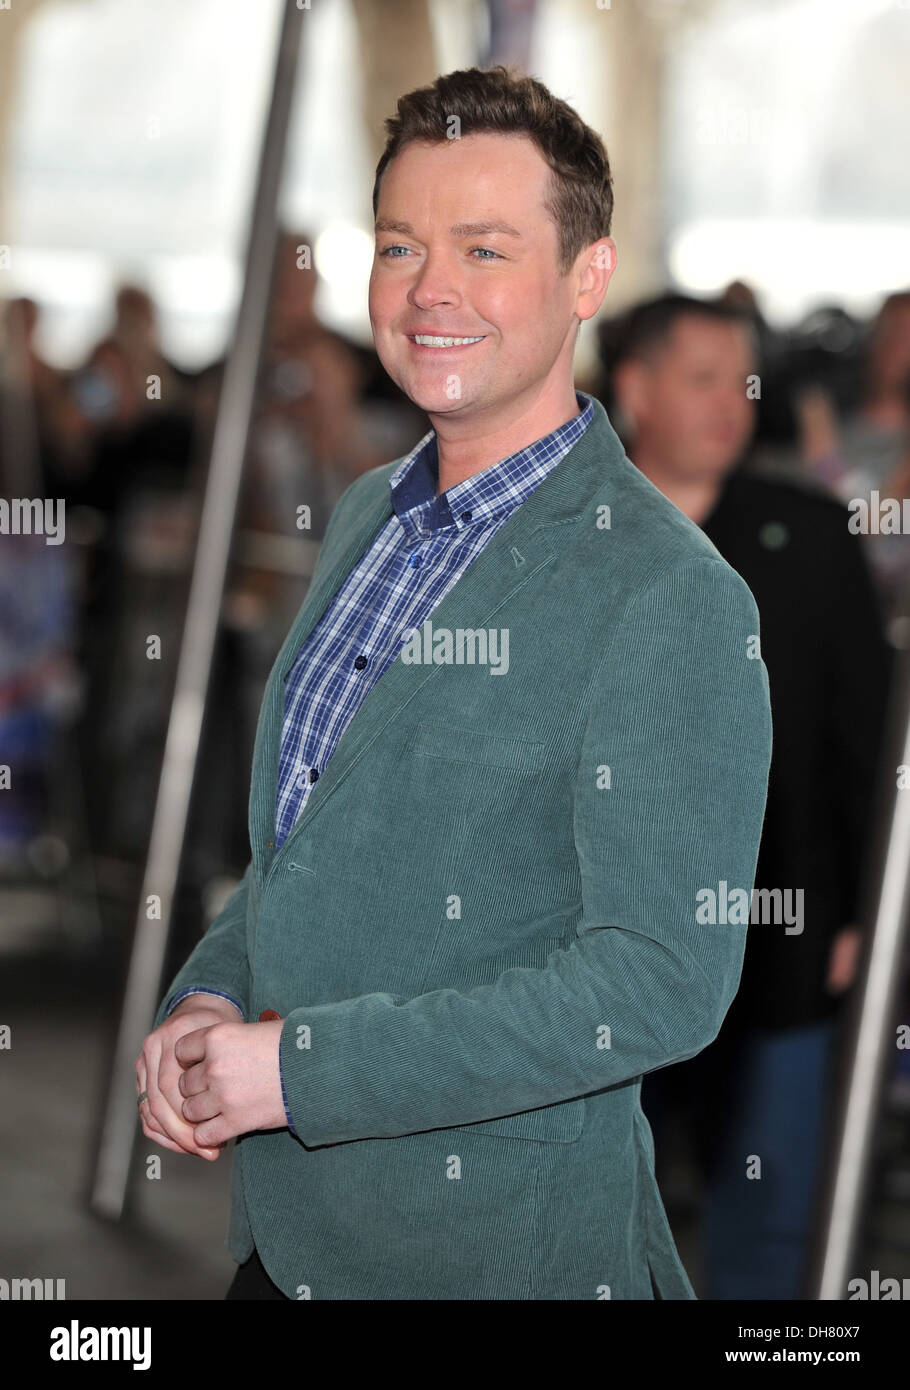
(314, 774)
(466, 516)
(360, 662)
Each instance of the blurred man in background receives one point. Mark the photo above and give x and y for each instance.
(685, 379)
(865, 453)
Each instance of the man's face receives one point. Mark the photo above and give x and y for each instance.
(689, 403)
(441, 269)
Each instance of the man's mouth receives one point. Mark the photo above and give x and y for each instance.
(435, 340)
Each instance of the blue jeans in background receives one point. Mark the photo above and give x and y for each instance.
(763, 1092)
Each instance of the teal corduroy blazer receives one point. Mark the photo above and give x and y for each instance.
(493, 914)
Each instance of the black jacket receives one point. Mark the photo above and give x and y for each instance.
(829, 666)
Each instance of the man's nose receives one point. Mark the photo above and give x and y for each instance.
(734, 398)
(436, 283)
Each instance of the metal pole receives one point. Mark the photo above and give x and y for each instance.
(229, 443)
(869, 1043)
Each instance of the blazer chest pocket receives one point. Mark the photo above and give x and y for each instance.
(554, 1124)
(453, 743)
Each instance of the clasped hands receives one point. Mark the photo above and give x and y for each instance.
(209, 1077)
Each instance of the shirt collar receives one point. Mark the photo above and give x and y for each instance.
(487, 494)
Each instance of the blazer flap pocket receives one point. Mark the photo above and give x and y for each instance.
(555, 1124)
(454, 743)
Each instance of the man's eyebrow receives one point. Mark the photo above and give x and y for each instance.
(465, 229)
(460, 229)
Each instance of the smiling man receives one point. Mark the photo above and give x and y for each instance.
(470, 921)
(475, 320)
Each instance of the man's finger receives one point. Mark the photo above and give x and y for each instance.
(169, 1078)
(200, 1108)
(215, 1132)
(171, 1131)
(172, 1124)
(169, 1074)
(190, 1047)
(156, 1137)
(168, 1126)
(150, 1126)
(191, 1082)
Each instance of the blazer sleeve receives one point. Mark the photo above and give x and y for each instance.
(679, 714)
(218, 964)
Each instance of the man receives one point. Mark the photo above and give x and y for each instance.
(865, 458)
(685, 379)
(471, 901)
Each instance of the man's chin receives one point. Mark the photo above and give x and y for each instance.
(435, 400)
(714, 461)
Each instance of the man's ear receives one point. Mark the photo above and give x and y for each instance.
(597, 263)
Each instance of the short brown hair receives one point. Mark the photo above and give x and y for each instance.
(646, 328)
(504, 101)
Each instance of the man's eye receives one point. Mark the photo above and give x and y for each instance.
(486, 252)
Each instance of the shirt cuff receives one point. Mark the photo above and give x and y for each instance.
(184, 993)
(284, 1097)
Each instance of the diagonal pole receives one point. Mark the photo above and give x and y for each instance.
(869, 1047)
(229, 443)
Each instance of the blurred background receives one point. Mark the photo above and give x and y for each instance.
(760, 170)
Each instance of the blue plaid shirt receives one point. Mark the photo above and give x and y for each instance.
(418, 556)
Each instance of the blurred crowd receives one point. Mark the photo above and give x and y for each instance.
(767, 439)
(124, 439)
(784, 449)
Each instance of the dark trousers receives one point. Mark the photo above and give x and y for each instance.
(251, 1281)
(770, 1090)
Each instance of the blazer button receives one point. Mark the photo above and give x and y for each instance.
(268, 1016)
